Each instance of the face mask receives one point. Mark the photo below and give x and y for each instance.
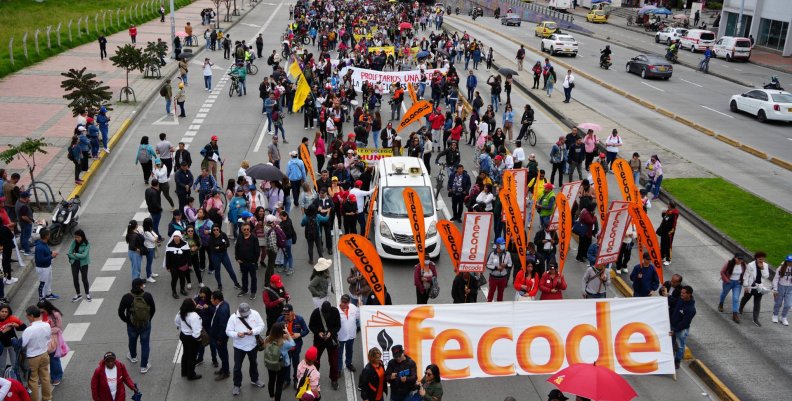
(502, 247)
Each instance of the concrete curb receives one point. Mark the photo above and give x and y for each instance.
(706, 131)
(712, 381)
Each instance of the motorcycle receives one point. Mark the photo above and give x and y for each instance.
(774, 84)
(64, 218)
(456, 10)
(671, 56)
(605, 62)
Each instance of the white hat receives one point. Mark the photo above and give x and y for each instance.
(176, 234)
(270, 218)
(81, 128)
(323, 264)
(293, 153)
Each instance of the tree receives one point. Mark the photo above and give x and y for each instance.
(26, 151)
(153, 56)
(85, 92)
(130, 58)
(217, 13)
(228, 10)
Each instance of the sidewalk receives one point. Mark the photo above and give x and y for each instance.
(32, 104)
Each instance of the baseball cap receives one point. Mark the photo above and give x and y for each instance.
(270, 218)
(556, 394)
(243, 310)
(350, 151)
(287, 307)
(548, 186)
(275, 280)
(500, 241)
(293, 153)
(334, 179)
(311, 353)
(789, 258)
(358, 183)
(352, 198)
(214, 137)
(397, 350)
(532, 157)
(81, 128)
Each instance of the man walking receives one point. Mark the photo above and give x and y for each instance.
(520, 57)
(499, 264)
(295, 170)
(137, 310)
(217, 333)
(246, 253)
(43, 262)
(102, 47)
(34, 341)
(681, 315)
(165, 150)
(471, 84)
(298, 329)
(154, 204)
(205, 184)
(569, 83)
(243, 327)
(458, 187)
(25, 218)
(346, 335)
(401, 373)
(183, 180)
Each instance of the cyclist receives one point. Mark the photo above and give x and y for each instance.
(239, 73)
(671, 54)
(249, 56)
(452, 157)
(704, 63)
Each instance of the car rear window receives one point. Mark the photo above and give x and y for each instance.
(565, 39)
(782, 98)
(742, 43)
(707, 36)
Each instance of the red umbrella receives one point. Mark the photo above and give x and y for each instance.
(594, 382)
(405, 25)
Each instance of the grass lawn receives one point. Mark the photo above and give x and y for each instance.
(20, 16)
(753, 222)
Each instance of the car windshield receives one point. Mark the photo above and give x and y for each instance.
(551, 25)
(682, 32)
(782, 97)
(393, 201)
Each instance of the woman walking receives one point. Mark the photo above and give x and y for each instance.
(207, 72)
(550, 82)
(508, 120)
(310, 371)
(552, 284)
(666, 231)
(151, 239)
(79, 260)
(52, 315)
(753, 286)
(203, 228)
(145, 155)
(373, 385)
(320, 281)
(423, 279)
(109, 379)
(320, 151)
(177, 262)
(732, 275)
(194, 242)
(135, 247)
(277, 364)
(654, 175)
(75, 155)
(782, 290)
(189, 324)
(205, 310)
(181, 97)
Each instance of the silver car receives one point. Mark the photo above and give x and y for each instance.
(511, 19)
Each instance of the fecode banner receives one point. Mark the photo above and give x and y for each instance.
(646, 235)
(625, 180)
(475, 237)
(565, 229)
(600, 189)
(364, 256)
(305, 156)
(626, 335)
(570, 190)
(371, 155)
(415, 215)
(521, 186)
(616, 222)
(452, 239)
(372, 204)
(387, 77)
(414, 114)
(514, 220)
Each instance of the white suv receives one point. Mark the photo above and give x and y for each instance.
(670, 35)
(559, 43)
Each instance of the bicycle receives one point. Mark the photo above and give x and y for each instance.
(251, 68)
(440, 180)
(235, 87)
(530, 134)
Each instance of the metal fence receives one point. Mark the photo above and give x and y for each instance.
(518, 7)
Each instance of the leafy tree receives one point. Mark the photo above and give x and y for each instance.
(85, 92)
(26, 151)
(217, 12)
(153, 55)
(130, 58)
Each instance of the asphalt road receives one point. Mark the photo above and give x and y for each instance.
(116, 196)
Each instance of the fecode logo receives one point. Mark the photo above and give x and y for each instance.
(602, 189)
(368, 268)
(417, 111)
(647, 235)
(365, 258)
(450, 238)
(474, 249)
(625, 186)
(514, 222)
(563, 233)
(416, 215)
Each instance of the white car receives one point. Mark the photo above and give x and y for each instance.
(670, 35)
(765, 104)
(560, 43)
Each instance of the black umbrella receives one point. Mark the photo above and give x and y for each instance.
(265, 172)
(507, 72)
(441, 52)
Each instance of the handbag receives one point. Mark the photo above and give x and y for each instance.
(184, 268)
(434, 290)
(579, 228)
(62, 349)
(332, 342)
(571, 85)
(203, 338)
(259, 340)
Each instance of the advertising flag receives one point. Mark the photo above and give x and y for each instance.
(452, 239)
(570, 190)
(601, 189)
(564, 229)
(305, 156)
(414, 113)
(625, 181)
(364, 256)
(372, 203)
(521, 187)
(475, 237)
(613, 230)
(415, 215)
(514, 221)
(646, 235)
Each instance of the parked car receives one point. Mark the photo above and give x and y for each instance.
(670, 35)
(545, 28)
(697, 40)
(732, 48)
(597, 16)
(765, 104)
(650, 66)
(559, 43)
(511, 19)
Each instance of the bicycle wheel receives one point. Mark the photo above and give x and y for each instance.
(252, 70)
(531, 137)
(439, 185)
(231, 90)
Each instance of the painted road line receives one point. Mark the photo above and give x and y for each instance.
(142, 206)
(716, 111)
(102, 284)
(204, 109)
(443, 208)
(187, 140)
(65, 359)
(178, 353)
(113, 264)
(653, 87)
(89, 308)
(692, 83)
(121, 247)
(198, 121)
(191, 133)
(140, 216)
(201, 115)
(737, 69)
(74, 332)
(194, 127)
(260, 138)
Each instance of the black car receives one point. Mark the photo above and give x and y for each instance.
(650, 66)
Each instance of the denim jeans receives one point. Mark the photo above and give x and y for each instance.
(349, 346)
(149, 260)
(135, 260)
(208, 82)
(222, 258)
(248, 271)
(784, 297)
(103, 129)
(144, 334)
(735, 286)
(155, 218)
(567, 94)
(494, 102)
(56, 369)
(239, 357)
(288, 258)
(654, 187)
(679, 343)
(24, 236)
(637, 178)
(168, 106)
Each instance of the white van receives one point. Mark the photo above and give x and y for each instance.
(393, 236)
(733, 48)
(697, 40)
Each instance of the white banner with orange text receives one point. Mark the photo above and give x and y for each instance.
(627, 335)
(387, 77)
(475, 236)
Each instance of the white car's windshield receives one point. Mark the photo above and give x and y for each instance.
(393, 201)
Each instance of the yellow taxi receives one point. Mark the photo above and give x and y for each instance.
(597, 16)
(545, 29)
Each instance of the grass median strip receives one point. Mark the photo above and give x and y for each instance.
(750, 220)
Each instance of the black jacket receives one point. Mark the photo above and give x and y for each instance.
(682, 314)
(540, 236)
(219, 321)
(219, 244)
(247, 251)
(124, 308)
(184, 180)
(452, 157)
(333, 319)
(408, 368)
(288, 229)
(458, 290)
(577, 153)
(177, 255)
(182, 156)
(153, 200)
(368, 383)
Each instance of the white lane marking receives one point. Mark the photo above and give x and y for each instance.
(692, 83)
(142, 206)
(161, 122)
(194, 127)
(140, 216)
(113, 264)
(201, 115)
(444, 208)
(191, 133)
(653, 87)
(65, 360)
(178, 353)
(209, 101)
(790, 139)
(253, 25)
(187, 146)
(102, 284)
(260, 138)
(89, 308)
(198, 121)
(187, 140)
(204, 109)
(120, 247)
(75, 331)
(737, 69)
(716, 111)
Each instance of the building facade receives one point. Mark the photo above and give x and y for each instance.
(768, 21)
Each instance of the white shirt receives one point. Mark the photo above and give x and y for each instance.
(568, 80)
(736, 272)
(112, 380)
(191, 327)
(235, 325)
(749, 277)
(508, 162)
(360, 196)
(519, 154)
(611, 142)
(161, 174)
(207, 72)
(486, 198)
(349, 319)
(35, 338)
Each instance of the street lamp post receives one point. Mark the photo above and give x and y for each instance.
(173, 28)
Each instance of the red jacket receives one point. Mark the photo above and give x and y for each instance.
(417, 276)
(100, 391)
(531, 282)
(17, 392)
(456, 133)
(546, 284)
(438, 120)
(133, 31)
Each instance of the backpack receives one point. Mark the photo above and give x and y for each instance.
(140, 311)
(273, 359)
(280, 237)
(10, 373)
(70, 153)
(304, 384)
(164, 91)
(143, 155)
(311, 229)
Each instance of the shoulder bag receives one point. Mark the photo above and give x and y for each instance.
(259, 339)
(332, 342)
